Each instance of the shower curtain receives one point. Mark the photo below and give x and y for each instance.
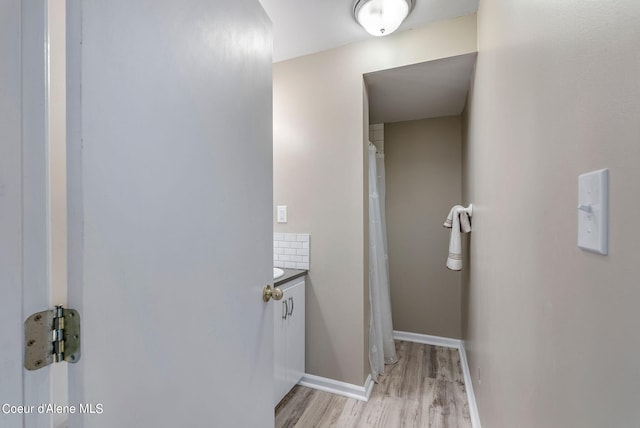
(382, 349)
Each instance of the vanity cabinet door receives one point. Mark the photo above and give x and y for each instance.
(295, 333)
(280, 310)
(289, 338)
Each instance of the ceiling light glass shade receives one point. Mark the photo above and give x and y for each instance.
(381, 17)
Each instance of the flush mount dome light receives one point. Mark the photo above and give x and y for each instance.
(381, 17)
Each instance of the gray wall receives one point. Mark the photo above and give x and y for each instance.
(423, 161)
(319, 169)
(551, 330)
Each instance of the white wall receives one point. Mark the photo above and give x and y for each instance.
(319, 169)
(551, 330)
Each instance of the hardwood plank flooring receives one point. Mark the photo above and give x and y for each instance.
(425, 388)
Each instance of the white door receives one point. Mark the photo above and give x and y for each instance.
(10, 214)
(170, 212)
(24, 221)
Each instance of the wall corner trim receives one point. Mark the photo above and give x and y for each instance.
(337, 387)
(449, 343)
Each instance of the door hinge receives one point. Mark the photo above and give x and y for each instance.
(51, 337)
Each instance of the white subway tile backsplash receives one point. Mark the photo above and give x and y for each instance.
(291, 250)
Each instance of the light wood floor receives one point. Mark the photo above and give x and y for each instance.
(424, 389)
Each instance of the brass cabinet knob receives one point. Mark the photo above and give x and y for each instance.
(268, 293)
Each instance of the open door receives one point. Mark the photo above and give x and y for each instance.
(11, 387)
(24, 217)
(170, 212)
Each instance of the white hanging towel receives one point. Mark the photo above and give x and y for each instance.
(458, 221)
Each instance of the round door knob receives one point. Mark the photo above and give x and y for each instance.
(268, 293)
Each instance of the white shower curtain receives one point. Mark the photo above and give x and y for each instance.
(382, 349)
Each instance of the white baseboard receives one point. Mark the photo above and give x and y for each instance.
(468, 385)
(449, 343)
(350, 390)
(427, 339)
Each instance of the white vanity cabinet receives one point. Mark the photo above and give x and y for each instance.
(288, 319)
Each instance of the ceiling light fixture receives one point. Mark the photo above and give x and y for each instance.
(381, 17)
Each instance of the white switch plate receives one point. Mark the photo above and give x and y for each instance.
(593, 211)
(281, 214)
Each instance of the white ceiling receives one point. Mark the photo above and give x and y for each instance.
(302, 27)
(432, 89)
(429, 89)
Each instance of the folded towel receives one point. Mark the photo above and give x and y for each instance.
(458, 221)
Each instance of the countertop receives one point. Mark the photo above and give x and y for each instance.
(290, 274)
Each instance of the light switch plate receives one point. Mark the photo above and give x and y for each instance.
(593, 211)
(281, 216)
